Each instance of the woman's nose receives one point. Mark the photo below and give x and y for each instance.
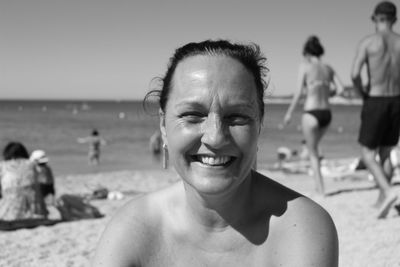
(214, 132)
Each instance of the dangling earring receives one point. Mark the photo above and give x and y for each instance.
(165, 156)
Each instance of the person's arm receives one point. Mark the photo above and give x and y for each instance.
(358, 62)
(296, 97)
(82, 140)
(103, 141)
(50, 178)
(50, 174)
(338, 84)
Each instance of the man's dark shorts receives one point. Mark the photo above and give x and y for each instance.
(380, 122)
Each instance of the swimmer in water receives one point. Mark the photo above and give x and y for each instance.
(95, 142)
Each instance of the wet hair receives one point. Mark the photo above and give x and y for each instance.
(15, 150)
(249, 55)
(95, 132)
(313, 47)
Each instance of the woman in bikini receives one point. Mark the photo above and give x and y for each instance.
(319, 82)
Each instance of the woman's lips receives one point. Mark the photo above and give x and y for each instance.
(212, 160)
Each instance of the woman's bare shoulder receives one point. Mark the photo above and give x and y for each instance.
(294, 203)
(309, 228)
(144, 212)
(133, 230)
(310, 213)
(304, 66)
(289, 206)
(301, 226)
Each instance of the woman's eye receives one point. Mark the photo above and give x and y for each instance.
(238, 119)
(193, 117)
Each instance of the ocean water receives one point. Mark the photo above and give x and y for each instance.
(54, 127)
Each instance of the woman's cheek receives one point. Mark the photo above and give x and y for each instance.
(245, 135)
(182, 136)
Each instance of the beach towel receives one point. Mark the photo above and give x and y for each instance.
(26, 223)
(73, 207)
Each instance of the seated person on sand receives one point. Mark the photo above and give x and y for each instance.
(284, 154)
(21, 198)
(222, 212)
(95, 142)
(66, 207)
(45, 175)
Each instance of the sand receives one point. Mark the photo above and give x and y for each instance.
(363, 240)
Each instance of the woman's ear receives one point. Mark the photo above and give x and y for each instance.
(162, 126)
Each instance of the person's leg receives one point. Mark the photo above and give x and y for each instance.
(312, 135)
(384, 155)
(92, 159)
(384, 159)
(304, 155)
(387, 195)
(96, 159)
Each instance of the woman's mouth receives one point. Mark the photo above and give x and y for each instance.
(213, 160)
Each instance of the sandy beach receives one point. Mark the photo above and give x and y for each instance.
(364, 240)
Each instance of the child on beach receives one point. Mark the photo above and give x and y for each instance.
(95, 142)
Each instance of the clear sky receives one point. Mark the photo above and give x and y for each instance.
(96, 49)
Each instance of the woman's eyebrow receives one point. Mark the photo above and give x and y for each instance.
(196, 104)
(243, 104)
(189, 103)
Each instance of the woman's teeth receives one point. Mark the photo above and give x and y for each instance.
(214, 161)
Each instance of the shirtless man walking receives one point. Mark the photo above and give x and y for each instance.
(380, 117)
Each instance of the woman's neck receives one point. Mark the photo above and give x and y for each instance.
(313, 59)
(217, 212)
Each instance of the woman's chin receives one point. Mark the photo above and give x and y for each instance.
(212, 179)
(212, 185)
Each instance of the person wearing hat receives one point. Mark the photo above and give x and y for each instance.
(45, 175)
(380, 117)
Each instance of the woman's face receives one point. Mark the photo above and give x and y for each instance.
(212, 123)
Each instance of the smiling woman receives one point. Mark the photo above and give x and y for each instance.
(222, 212)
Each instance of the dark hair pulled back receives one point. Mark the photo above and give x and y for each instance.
(249, 55)
(313, 47)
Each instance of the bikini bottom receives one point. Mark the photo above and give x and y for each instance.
(323, 116)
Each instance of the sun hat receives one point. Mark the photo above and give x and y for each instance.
(39, 156)
(385, 8)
